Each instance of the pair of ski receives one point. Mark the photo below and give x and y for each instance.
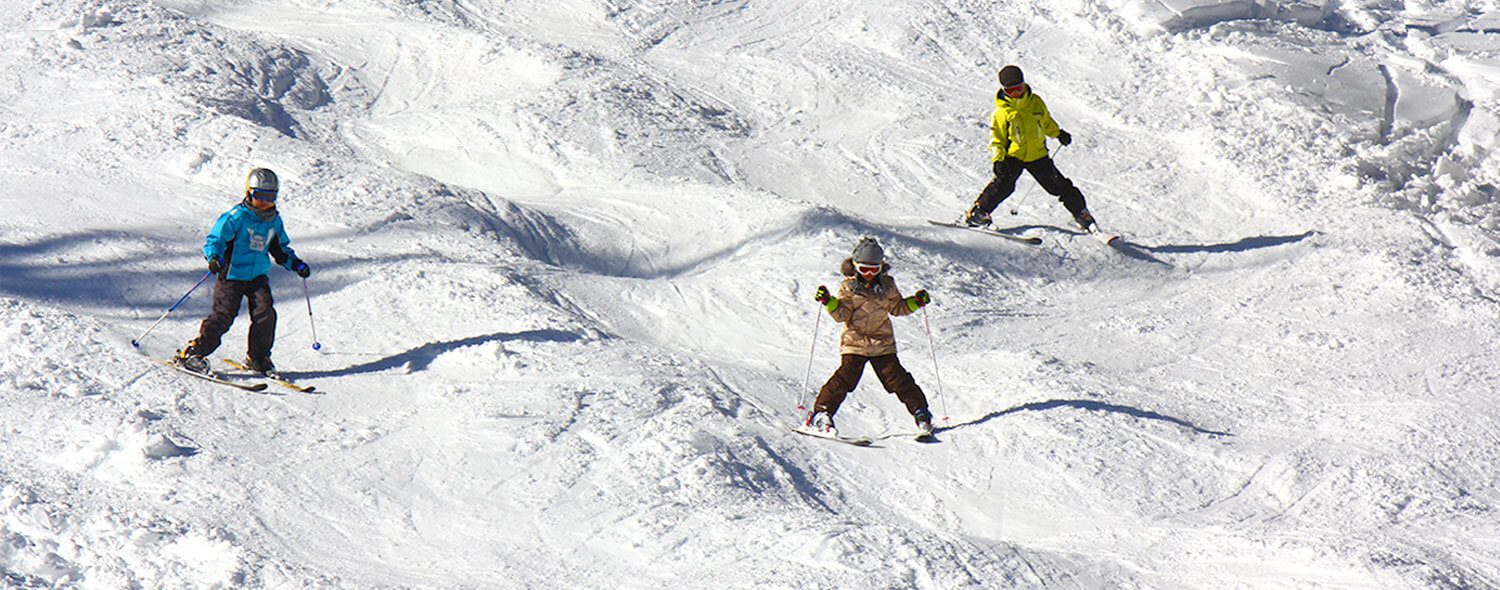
(261, 386)
(924, 437)
(1107, 238)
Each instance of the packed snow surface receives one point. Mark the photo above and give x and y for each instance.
(564, 256)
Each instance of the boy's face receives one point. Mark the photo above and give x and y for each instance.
(263, 200)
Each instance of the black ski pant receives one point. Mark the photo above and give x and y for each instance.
(888, 368)
(227, 296)
(1008, 171)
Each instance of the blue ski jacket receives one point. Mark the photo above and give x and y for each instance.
(243, 240)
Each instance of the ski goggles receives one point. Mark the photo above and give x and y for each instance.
(867, 270)
(263, 195)
(1015, 91)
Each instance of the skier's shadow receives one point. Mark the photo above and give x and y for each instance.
(1243, 245)
(1120, 244)
(419, 358)
(1146, 253)
(1091, 405)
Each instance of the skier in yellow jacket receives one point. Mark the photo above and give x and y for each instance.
(1019, 129)
(867, 299)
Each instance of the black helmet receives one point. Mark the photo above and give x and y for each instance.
(868, 251)
(262, 181)
(1011, 76)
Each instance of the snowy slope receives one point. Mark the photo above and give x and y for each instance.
(564, 255)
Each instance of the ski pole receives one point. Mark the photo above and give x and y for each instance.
(310, 324)
(1016, 207)
(935, 372)
(802, 397)
(137, 341)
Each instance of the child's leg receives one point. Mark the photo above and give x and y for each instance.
(840, 384)
(897, 380)
(262, 319)
(227, 295)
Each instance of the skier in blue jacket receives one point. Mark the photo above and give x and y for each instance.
(239, 250)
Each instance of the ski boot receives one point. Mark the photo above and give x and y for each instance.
(1084, 219)
(976, 218)
(191, 361)
(262, 367)
(924, 421)
(822, 423)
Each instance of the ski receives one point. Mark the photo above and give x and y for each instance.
(984, 229)
(1107, 238)
(272, 377)
(925, 437)
(858, 442)
(210, 377)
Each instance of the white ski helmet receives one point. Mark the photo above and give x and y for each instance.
(868, 251)
(262, 181)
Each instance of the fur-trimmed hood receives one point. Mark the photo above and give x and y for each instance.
(876, 286)
(865, 308)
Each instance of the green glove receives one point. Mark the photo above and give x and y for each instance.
(828, 300)
(918, 300)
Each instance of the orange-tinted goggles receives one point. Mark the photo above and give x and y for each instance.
(1015, 91)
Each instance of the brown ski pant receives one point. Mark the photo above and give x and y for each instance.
(888, 368)
(227, 296)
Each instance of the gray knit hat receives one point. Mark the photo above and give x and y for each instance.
(868, 251)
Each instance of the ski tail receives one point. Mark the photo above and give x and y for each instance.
(276, 378)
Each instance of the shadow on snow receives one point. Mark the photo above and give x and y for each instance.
(1243, 245)
(111, 270)
(1096, 406)
(421, 357)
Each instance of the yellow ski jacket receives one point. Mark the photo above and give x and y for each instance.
(1019, 128)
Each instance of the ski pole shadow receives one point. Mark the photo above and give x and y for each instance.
(1091, 405)
(421, 357)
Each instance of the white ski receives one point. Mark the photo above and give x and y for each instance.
(858, 442)
(984, 229)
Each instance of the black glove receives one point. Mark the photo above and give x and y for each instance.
(822, 296)
(215, 265)
(1063, 137)
(301, 268)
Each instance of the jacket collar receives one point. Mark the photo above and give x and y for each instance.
(263, 215)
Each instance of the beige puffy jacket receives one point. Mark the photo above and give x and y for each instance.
(866, 310)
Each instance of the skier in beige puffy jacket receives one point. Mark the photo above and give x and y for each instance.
(866, 301)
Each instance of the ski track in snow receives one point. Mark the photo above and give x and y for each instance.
(564, 255)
